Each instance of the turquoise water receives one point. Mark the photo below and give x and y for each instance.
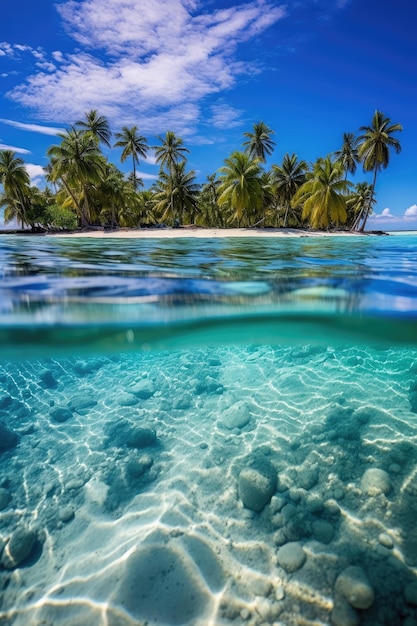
(208, 431)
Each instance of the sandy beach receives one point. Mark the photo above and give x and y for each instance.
(203, 233)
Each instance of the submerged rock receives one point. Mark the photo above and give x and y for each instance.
(353, 585)
(6, 402)
(74, 483)
(157, 584)
(375, 481)
(5, 497)
(60, 414)
(141, 437)
(236, 416)
(18, 548)
(82, 402)
(84, 367)
(257, 485)
(135, 468)
(182, 402)
(8, 438)
(340, 424)
(291, 556)
(47, 378)
(127, 399)
(143, 389)
(323, 531)
(343, 614)
(124, 433)
(66, 514)
(209, 385)
(308, 476)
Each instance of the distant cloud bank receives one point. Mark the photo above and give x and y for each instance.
(406, 221)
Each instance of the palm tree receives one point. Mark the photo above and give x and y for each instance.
(135, 182)
(110, 195)
(323, 195)
(171, 152)
(358, 203)
(78, 163)
(133, 145)
(348, 154)
(144, 207)
(267, 198)
(16, 186)
(288, 178)
(177, 194)
(97, 125)
(374, 146)
(259, 142)
(241, 185)
(210, 212)
(169, 155)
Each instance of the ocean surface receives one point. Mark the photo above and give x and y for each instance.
(208, 432)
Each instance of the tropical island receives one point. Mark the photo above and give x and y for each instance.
(86, 190)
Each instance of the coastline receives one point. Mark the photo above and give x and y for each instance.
(205, 233)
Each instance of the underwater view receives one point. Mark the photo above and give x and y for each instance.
(208, 432)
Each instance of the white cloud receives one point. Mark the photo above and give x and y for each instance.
(150, 158)
(411, 212)
(146, 176)
(385, 214)
(46, 65)
(34, 128)
(6, 49)
(22, 48)
(58, 56)
(4, 146)
(148, 62)
(225, 116)
(35, 172)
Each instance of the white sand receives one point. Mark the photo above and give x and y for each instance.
(172, 233)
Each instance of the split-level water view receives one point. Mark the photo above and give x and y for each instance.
(208, 431)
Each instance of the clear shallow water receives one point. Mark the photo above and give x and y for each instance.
(154, 393)
(65, 294)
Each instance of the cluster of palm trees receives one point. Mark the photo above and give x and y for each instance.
(86, 189)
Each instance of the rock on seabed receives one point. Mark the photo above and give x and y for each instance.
(354, 586)
(5, 497)
(256, 487)
(60, 414)
(18, 547)
(143, 389)
(291, 556)
(236, 416)
(376, 481)
(8, 438)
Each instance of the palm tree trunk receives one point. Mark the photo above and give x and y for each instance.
(357, 220)
(371, 197)
(74, 199)
(286, 215)
(86, 213)
(172, 208)
(134, 174)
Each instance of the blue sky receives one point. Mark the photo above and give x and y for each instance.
(208, 70)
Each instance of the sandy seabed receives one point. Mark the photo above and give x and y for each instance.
(225, 487)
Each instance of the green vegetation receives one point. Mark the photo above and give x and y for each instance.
(88, 190)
